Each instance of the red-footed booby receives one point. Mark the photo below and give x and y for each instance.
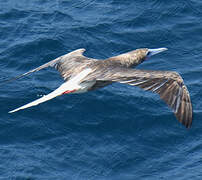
(82, 74)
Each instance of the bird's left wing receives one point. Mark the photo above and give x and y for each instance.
(169, 85)
(62, 64)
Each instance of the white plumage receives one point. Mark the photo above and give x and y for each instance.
(72, 85)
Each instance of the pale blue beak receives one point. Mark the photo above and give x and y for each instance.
(152, 52)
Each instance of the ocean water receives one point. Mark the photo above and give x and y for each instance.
(115, 133)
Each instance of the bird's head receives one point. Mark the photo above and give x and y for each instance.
(139, 55)
(135, 57)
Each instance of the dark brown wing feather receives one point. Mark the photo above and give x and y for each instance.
(169, 85)
(73, 64)
(64, 64)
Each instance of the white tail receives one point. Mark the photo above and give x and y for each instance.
(70, 85)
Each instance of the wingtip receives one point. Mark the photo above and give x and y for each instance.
(187, 123)
(188, 126)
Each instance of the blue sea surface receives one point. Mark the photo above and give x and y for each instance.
(116, 133)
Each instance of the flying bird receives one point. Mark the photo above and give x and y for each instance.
(82, 74)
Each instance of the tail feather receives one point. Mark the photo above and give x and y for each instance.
(71, 85)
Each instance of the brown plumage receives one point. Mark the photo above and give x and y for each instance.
(169, 85)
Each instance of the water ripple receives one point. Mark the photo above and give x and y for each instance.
(118, 132)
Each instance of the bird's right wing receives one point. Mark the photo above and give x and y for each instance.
(62, 64)
(169, 85)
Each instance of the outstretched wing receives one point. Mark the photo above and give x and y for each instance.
(169, 85)
(64, 64)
